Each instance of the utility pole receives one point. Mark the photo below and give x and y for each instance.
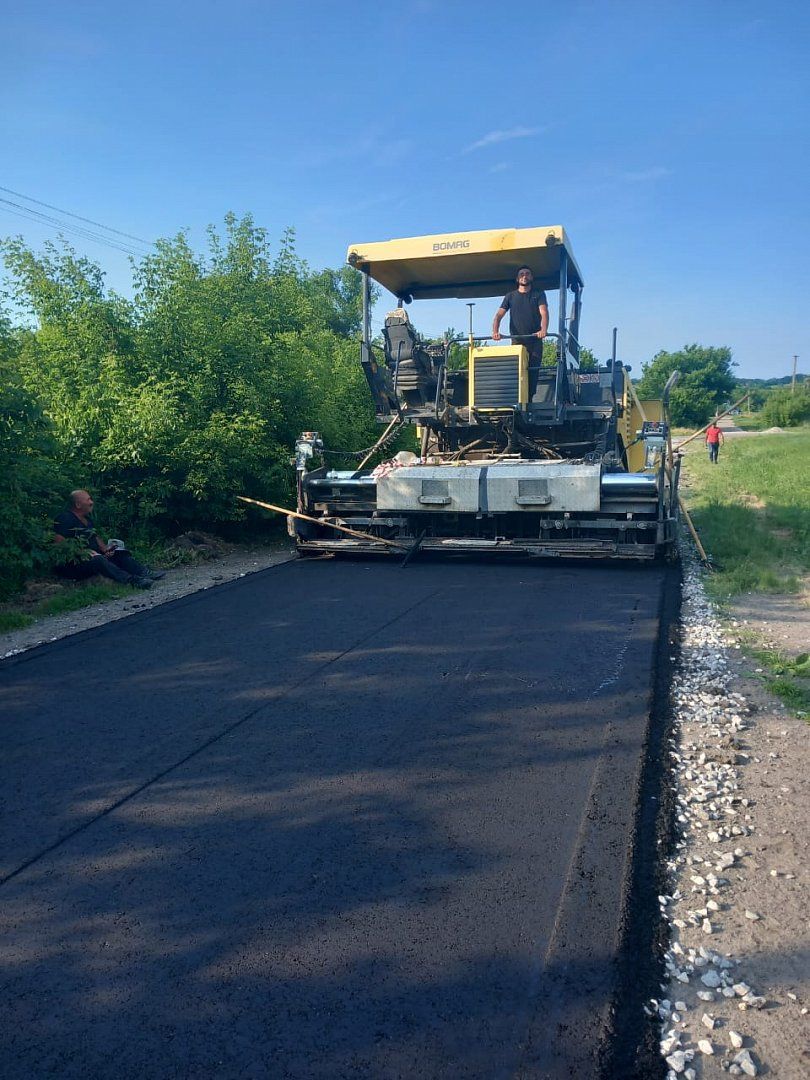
(793, 380)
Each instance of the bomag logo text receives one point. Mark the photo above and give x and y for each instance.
(451, 245)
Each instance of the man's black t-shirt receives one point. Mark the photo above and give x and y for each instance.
(70, 526)
(524, 316)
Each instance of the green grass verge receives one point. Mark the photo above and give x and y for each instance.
(754, 422)
(14, 620)
(788, 678)
(70, 597)
(752, 512)
(80, 596)
(794, 695)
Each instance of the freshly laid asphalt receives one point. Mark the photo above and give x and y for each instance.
(333, 820)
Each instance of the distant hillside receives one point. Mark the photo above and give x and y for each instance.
(764, 384)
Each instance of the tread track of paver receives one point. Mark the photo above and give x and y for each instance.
(338, 819)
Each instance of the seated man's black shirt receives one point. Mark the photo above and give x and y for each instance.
(72, 527)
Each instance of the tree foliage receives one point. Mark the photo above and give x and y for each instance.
(170, 404)
(704, 386)
(788, 408)
(30, 479)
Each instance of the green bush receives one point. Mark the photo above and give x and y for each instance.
(786, 407)
(31, 480)
(169, 405)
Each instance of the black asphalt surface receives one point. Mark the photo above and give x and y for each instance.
(333, 820)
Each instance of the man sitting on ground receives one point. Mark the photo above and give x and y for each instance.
(110, 559)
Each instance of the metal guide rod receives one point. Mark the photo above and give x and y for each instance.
(718, 417)
(322, 522)
(397, 419)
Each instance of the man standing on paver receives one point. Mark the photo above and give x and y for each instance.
(714, 436)
(528, 321)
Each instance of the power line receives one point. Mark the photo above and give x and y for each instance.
(67, 213)
(30, 214)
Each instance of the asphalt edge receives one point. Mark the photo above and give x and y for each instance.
(632, 1050)
(141, 613)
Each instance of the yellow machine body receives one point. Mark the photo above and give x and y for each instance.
(579, 468)
(630, 424)
(465, 264)
(499, 377)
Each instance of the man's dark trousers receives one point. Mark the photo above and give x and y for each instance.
(535, 350)
(119, 567)
(714, 450)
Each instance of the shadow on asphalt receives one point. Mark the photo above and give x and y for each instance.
(338, 844)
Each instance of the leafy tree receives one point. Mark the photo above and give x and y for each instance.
(705, 381)
(459, 354)
(73, 364)
(170, 405)
(31, 484)
(757, 396)
(587, 360)
(788, 408)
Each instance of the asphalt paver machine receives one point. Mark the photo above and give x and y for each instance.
(580, 467)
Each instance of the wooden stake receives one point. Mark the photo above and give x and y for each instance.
(321, 521)
(718, 417)
(695, 536)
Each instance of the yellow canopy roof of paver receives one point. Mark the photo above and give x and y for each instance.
(482, 263)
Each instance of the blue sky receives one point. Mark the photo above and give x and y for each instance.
(671, 140)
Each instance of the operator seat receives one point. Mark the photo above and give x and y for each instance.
(401, 341)
(414, 374)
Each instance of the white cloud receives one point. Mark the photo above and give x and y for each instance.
(371, 146)
(501, 166)
(492, 138)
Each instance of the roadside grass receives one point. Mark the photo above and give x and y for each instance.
(794, 695)
(751, 422)
(14, 620)
(79, 596)
(69, 597)
(752, 513)
(786, 678)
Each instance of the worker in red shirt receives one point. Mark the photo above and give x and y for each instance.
(714, 436)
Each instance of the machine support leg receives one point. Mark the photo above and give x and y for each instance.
(412, 550)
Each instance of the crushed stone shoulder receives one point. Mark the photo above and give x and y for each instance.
(738, 990)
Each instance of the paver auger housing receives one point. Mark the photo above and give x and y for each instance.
(579, 468)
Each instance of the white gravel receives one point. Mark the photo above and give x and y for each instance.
(712, 857)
